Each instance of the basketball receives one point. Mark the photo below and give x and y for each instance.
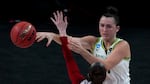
(23, 34)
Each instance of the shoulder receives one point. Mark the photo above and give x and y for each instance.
(123, 43)
(123, 47)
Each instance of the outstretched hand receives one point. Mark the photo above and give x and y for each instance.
(42, 35)
(60, 21)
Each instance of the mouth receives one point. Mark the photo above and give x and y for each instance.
(105, 35)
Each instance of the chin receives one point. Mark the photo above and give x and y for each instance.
(106, 38)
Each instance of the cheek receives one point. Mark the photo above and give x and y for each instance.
(112, 34)
(100, 30)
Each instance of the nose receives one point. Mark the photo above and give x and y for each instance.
(104, 28)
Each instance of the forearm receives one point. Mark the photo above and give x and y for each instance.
(91, 59)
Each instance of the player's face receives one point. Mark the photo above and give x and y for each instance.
(108, 27)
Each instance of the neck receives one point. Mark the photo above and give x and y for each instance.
(108, 43)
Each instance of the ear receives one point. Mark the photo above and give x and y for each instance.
(118, 28)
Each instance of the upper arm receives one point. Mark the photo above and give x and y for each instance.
(120, 51)
(88, 41)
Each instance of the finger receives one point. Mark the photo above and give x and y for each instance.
(69, 40)
(61, 16)
(48, 43)
(40, 39)
(65, 19)
(74, 44)
(55, 15)
(53, 20)
(37, 35)
(69, 46)
(58, 15)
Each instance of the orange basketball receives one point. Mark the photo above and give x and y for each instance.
(23, 34)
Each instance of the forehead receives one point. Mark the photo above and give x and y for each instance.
(107, 20)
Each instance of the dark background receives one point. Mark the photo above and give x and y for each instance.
(45, 65)
(132, 12)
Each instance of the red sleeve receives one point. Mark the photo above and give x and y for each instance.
(73, 70)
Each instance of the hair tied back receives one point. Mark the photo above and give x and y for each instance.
(112, 10)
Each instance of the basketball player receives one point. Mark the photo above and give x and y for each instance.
(107, 49)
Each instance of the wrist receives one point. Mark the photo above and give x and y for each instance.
(62, 33)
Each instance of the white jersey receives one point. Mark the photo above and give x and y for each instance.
(118, 74)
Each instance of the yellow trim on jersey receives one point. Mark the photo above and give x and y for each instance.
(117, 40)
(127, 58)
(102, 43)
